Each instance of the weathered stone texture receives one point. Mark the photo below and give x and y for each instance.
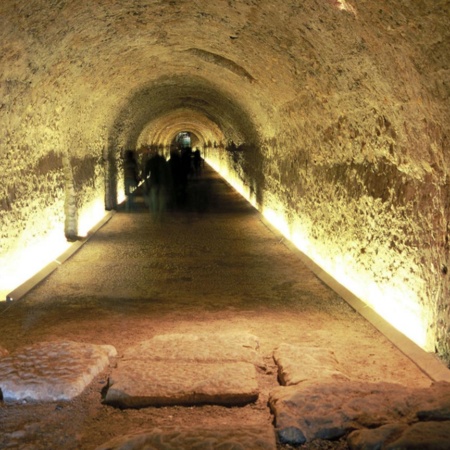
(338, 111)
(138, 384)
(330, 410)
(418, 436)
(52, 371)
(226, 347)
(187, 369)
(231, 439)
(297, 364)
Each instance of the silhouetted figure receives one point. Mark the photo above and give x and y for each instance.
(186, 160)
(186, 169)
(176, 171)
(157, 181)
(131, 173)
(197, 162)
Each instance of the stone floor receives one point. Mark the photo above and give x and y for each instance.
(165, 296)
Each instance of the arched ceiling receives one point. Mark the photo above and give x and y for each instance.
(163, 129)
(345, 105)
(182, 103)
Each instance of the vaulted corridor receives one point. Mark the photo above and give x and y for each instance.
(331, 117)
(221, 270)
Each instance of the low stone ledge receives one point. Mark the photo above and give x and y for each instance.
(228, 347)
(52, 371)
(254, 438)
(298, 364)
(143, 383)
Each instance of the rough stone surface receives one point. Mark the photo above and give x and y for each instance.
(192, 438)
(138, 383)
(297, 364)
(329, 410)
(334, 115)
(187, 369)
(52, 371)
(3, 352)
(230, 347)
(418, 436)
(223, 271)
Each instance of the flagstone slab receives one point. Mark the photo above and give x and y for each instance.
(306, 412)
(418, 436)
(329, 410)
(51, 371)
(434, 403)
(254, 438)
(142, 383)
(298, 364)
(227, 347)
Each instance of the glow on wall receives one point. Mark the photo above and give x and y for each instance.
(33, 252)
(395, 301)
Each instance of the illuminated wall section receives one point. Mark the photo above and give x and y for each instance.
(339, 110)
(33, 224)
(32, 248)
(389, 281)
(43, 201)
(86, 191)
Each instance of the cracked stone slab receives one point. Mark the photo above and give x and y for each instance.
(227, 347)
(306, 412)
(298, 364)
(141, 383)
(434, 403)
(254, 438)
(52, 371)
(329, 410)
(418, 436)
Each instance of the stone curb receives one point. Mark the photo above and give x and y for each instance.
(26, 287)
(426, 362)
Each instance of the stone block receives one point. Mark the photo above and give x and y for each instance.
(141, 383)
(418, 436)
(226, 347)
(189, 439)
(297, 364)
(329, 410)
(52, 371)
(434, 403)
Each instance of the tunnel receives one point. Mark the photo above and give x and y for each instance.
(332, 117)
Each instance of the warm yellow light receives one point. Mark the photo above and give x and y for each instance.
(396, 302)
(344, 5)
(121, 197)
(90, 215)
(37, 250)
(22, 263)
(277, 220)
(232, 178)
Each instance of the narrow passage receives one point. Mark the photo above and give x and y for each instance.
(214, 270)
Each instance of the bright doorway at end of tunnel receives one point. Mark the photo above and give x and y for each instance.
(184, 139)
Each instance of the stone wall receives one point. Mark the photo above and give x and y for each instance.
(333, 116)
